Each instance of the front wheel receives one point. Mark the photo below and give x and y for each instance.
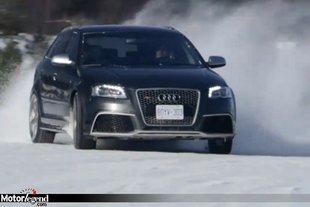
(220, 146)
(80, 140)
(37, 134)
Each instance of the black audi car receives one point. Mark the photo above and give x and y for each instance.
(130, 82)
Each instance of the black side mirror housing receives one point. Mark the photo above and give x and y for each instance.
(216, 62)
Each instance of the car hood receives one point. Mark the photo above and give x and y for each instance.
(194, 78)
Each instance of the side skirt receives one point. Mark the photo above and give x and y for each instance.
(53, 125)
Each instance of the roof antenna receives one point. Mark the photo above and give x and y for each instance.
(170, 28)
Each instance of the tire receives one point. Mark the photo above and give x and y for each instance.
(220, 146)
(80, 141)
(37, 134)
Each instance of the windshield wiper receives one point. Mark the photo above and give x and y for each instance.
(114, 65)
(105, 65)
(180, 65)
(92, 65)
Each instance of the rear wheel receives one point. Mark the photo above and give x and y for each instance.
(37, 134)
(80, 140)
(220, 146)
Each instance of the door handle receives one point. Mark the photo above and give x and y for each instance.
(55, 76)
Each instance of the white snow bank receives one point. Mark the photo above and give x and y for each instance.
(3, 44)
(23, 41)
(14, 104)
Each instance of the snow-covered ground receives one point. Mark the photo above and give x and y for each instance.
(61, 169)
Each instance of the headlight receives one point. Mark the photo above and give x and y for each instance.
(219, 92)
(109, 91)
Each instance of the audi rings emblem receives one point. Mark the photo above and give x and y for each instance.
(169, 98)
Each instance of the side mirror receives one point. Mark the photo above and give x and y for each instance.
(216, 62)
(62, 60)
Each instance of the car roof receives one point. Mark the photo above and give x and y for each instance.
(116, 28)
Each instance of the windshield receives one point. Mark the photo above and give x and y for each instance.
(138, 49)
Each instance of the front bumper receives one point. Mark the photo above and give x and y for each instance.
(215, 119)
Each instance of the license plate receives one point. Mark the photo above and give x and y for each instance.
(169, 112)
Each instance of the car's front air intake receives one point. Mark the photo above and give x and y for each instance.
(150, 98)
(107, 123)
(218, 124)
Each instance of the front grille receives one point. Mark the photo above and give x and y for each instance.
(148, 99)
(113, 124)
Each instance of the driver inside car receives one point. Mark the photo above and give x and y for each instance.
(163, 54)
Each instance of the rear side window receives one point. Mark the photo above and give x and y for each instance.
(60, 44)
